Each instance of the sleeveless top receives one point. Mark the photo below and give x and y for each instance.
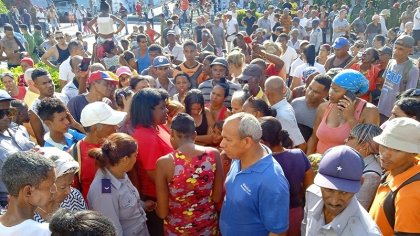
(142, 62)
(105, 25)
(333, 136)
(192, 210)
(203, 127)
(63, 54)
(342, 65)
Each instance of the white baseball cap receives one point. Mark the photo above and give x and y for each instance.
(100, 113)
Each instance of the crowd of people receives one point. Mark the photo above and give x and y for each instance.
(297, 119)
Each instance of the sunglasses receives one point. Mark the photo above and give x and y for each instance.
(58, 38)
(7, 112)
(241, 81)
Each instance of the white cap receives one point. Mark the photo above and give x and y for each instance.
(100, 113)
(229, 13)
(64, 162)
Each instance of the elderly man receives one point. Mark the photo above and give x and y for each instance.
(341, 56)
(65, 73)
(252, 76)
(254, 177)
(11, 140)
(275, 90)
(331, 205)
(32, 186)
(264, 23)
(340, 25)
(397, 202)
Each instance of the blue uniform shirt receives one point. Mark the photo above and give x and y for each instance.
(257, 199)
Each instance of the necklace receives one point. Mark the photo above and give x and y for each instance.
(48, 214)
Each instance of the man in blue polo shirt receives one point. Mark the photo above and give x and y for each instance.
(257, 193)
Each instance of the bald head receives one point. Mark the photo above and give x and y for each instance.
(274, 89)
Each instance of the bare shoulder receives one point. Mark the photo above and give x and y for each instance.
(165, 160)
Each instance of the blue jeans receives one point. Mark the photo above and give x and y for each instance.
(125, 19)
(79, 24)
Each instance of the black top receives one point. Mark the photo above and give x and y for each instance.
(203, 127)
(63, 54)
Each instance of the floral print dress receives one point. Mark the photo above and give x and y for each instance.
(192, 210)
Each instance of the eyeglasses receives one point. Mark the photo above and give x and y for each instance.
(58, 38)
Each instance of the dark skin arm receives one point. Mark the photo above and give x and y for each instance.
(37, 127)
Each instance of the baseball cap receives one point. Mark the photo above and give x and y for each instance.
(5, 96)
(401, 134)
(405, 41)
(220, 61)
(340, 42)
(341, 168)
(250, 71)
(385, 12)
(100, 75)
(170, 32)
(385, 50)
(308, 71)
(161, 61)
(100, 113)
(123, 70)
(303, 42)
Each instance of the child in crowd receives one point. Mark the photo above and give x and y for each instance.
(111, 55)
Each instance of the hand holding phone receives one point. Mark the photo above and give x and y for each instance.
(84, 66)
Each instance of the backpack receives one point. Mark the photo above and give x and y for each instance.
(389, 201)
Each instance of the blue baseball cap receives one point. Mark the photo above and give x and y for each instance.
(5, 96)
(340, 42)
(341, 168)
(161, 61)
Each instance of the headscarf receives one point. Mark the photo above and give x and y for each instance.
(64, 162)
(352, 80)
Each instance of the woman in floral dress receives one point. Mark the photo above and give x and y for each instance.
(188, 182)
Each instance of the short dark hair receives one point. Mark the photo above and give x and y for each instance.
(183, 123)
(49, 106)
(38, 72)
(261, 106)
(380, 38)
(156, 48)
(182, 74)
(7, 27)
(73, 45)
(23, 26)
(37, 27)
(189, 43)
(77, 223)
(142, 105)
(325, 80)
(33, 169)
(141, 36)
(134, 80)
(410, 106)
(192, 97)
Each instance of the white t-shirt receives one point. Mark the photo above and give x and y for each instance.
(27, 227)
(416, 20)
(231, 29)
(303, 22)
(288, 57)
(40, 16)
(299, 70)
(177, 52)
(294, 65)
(64, 71)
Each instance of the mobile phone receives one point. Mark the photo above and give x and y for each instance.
(350, 95)
(85, 64)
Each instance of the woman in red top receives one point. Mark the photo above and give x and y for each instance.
(217, 97)
(366, 64)
(189, 183)
(148, 112)
(16, 92)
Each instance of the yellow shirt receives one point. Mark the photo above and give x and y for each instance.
(30, 97)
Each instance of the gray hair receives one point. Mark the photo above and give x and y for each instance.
(24, 168)
(249, 126)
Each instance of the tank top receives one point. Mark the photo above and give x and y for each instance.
(142, 62)
(203, 127)
(63, 54)
(342, 65)
(105, 25)
(333, 136)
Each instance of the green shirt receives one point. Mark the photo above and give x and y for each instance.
(31, 43)
(38, 39)
(355, 12)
